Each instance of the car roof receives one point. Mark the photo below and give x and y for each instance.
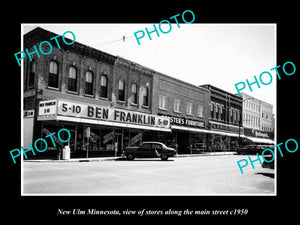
(152, 142)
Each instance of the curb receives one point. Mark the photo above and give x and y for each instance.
(118, 158)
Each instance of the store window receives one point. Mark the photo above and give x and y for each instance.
(103, 86)
(121, 93)
(53, 74)
(89, 83)
(107, 140)
(72, 80)
(94, 140)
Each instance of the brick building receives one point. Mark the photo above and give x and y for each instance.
(83, 89)
(224, 120)
(187, 106)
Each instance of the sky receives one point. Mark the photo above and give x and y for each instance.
(217, 54)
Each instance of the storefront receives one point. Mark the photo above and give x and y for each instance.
(224, 137)
(98, 130)
(188, 136)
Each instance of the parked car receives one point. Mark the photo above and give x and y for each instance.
(253, 149)
(149, 150)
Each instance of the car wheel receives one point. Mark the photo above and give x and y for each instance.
(164, 157)
(130, 157)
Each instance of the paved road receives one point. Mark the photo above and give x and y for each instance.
(203, 175)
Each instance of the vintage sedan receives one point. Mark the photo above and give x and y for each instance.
(253, 149)
(149, 150)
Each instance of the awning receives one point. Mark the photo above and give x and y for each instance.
(190, 129)
(205, 131)
(260, 140)
(101, 122)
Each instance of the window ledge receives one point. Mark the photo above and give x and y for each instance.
(88, 95)
(164, 109)
(177, 112)
(72, 92)
(103, 98)
(121, 102)
(53, 88)
(134, 104)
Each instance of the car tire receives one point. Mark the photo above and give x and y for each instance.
(164, 157)
(130, 157)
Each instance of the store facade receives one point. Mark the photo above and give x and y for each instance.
(186, 106)
(226, 130)
(103, 100)
(95, 130)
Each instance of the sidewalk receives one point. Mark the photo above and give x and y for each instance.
(120, 158)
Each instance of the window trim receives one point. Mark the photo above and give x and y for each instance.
(177, 106)
(134, 95)
(76, 80)
(123, 94)
(53, 74)
(91, 83)
(106, 91)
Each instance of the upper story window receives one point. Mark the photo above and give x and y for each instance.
(121, 92)
(53, 74)
(145, 96)
(31, 74)
(212, 110)
(200, 110)
(163, 102)
(177, 105)
(103, 86)
(72, 80)
(189, 108)
(134, 93)
(89, 83)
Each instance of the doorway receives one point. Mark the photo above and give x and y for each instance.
(119, 142)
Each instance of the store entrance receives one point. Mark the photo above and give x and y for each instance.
(119, 142)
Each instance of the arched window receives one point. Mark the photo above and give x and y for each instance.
(121, 94)
(72, 80)
(145, 95)
(31, 75)
(89, 83)
(103, 86)
(53, 74)
(134, 93)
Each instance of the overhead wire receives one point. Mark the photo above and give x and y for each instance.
(122, 39)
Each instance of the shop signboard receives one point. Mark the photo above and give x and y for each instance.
(28, 113)
(181, 121)
(226, 128)
(96, 112)
(47, 108)
(258, 133)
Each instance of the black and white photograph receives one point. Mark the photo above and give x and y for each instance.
(176, 115)
(136, 116)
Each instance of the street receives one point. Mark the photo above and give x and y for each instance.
(201, 175)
